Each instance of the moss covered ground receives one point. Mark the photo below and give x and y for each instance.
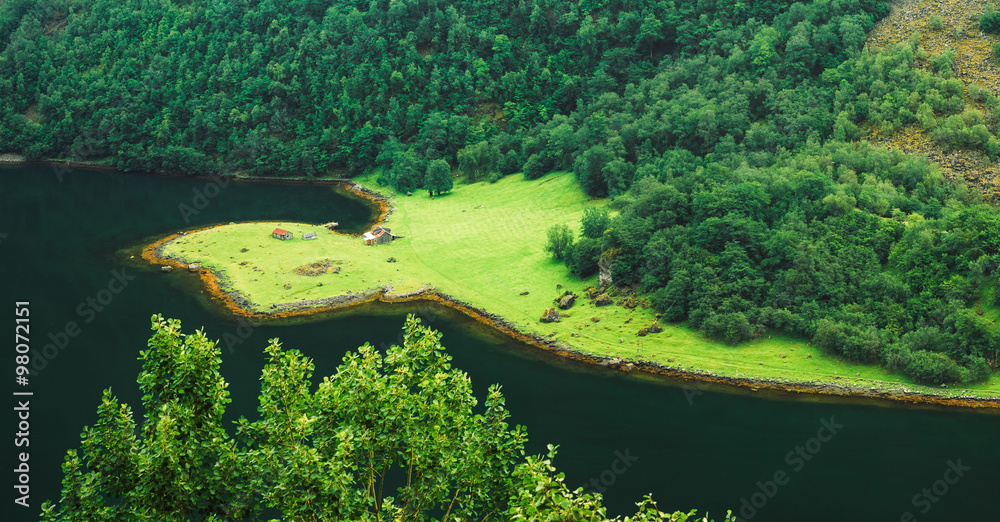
(483, 244)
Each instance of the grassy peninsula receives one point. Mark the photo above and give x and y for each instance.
(483, 244)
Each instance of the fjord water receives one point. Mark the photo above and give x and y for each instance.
(61, 238)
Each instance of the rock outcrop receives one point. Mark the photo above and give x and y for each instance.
(551, 315)
(566, 301)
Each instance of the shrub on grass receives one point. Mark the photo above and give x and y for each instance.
(583, 256)
(932, 368)
(733, 327)
(560, 241)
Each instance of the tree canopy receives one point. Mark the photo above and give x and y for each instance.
(391, 436)
(866, 251)
(304, 87)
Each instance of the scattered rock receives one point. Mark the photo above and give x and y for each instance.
(244, 249)
(621, 340)
(655, 327)
(566, 302)
(782, 356)
(551, 315)
(603, 300)
(670, 359)
(288, 286)
(595, 319)
(391, 260)
(809, 356)
(166, 269)
(524, 293)
(642, 332)
(629, 302)
(194, 267)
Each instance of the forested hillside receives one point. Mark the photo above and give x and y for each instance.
(304, 87)
(732, 135)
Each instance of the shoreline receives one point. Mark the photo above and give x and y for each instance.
(235, 303)
(18, 159)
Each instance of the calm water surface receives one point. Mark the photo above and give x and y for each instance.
(691, 448)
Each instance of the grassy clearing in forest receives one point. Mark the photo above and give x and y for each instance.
(483, 244)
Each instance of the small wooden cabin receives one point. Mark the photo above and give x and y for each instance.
(309, 235)
(282, 234)
(379, 236)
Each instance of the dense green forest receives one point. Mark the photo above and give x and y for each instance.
(730, 135)
(305, 87)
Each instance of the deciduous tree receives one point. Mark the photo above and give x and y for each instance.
(391, 436)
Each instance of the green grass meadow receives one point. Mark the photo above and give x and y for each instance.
(484, 244)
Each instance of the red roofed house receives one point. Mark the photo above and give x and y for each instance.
(378, 236)
(281, 234)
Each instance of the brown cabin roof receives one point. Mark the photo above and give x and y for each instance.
(280, 231)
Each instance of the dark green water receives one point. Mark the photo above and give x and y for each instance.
(690, 448)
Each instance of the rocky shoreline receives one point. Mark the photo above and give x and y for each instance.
(234, 301)
(19, 159)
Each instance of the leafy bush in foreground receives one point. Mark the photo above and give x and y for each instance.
(406, 418)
